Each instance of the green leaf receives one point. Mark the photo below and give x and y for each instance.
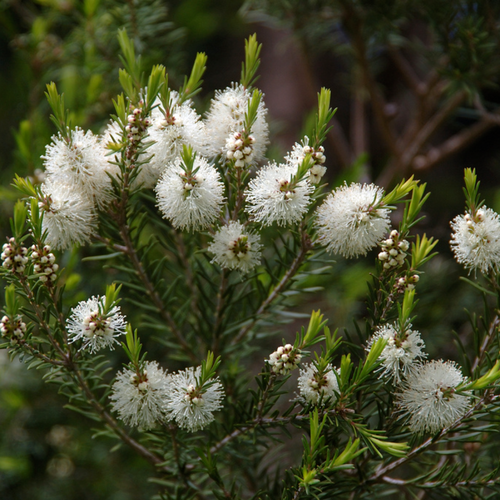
(252, 61)
(399, 192)
(133, 346)
(61, 116)
(193, 85)
(11, 303)
(471, 190)
(131, 63)
(20, 217)
(323, 118)
(371, 360)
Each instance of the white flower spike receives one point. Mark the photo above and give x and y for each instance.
(81, 164)
(316, 389)
(350, 221)
(190, 201)
(476, 240)
(89, 323)
(226, 117)
(171, 131)
(428, 399)
(192, 408)
(235, 248)
(68, 217)
(401, 353)
(273, 196)
(138, 399)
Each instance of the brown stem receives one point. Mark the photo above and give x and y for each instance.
(297, 262)
(353, 24)
(129, 250)
(239, 195)
(41, 321)
(189, 274)
(427, 96)
(429, 129)
(406, 70)
(218, 312)
(453, 145)
(413, 145)
(486, 343)
(37, 354)
(253, 424)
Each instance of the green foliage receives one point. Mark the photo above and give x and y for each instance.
(252, 62)
(192, 86)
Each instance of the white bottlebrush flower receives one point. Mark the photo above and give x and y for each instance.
(348, 221)
(428, 399)
(272, 198)
(476, 240)
(68, 216)
(81, 164)
(97, 329)
(234, 248)
(190, 201)
(190, 407)
(401, 353)
(314, 388)
(182, 126)
(139, 399)
(227, 116)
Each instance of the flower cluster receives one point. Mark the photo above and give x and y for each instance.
(406, 283)
(13, 328)
(476, 240)
(68, 217)
(44, 265)
(227, 116)
(188, 404)
(402, 351)
(190, 199)
(318, 387)
(393, 250)
(235, 248)
(144, 397)
(429, 398)
(240, 149)
(97, 328)
(275, 196)
(138, 397)
(169, 131)
(79, 162)
(351, 220)
(284, 359)
(14, 256)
